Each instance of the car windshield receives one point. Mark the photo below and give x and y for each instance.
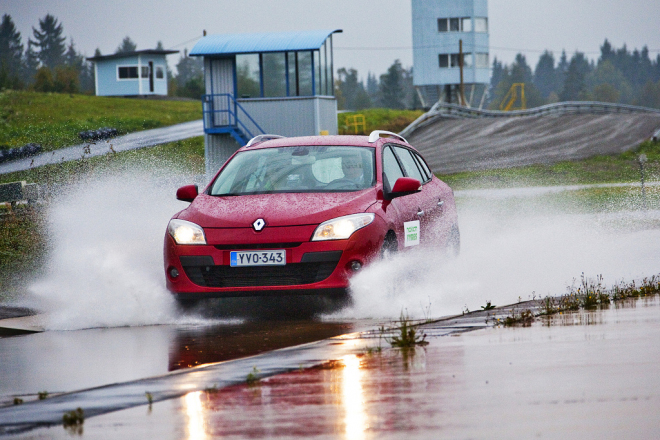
(297, 169)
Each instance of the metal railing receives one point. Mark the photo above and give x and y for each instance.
(559, 108)
(222, 111)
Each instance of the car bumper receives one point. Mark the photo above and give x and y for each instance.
(321, 267)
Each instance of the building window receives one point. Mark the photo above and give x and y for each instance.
(274, 65)
(467, 61)
(127, 72)
(481, 60)
(145, 71)
(481, 24)
(247, 76)
(160, 72)
(462, 24)
(451, 60)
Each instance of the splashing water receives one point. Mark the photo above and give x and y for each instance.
(507, 255)
(105, 267)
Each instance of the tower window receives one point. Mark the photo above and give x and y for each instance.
(481, 24)
(460, 24)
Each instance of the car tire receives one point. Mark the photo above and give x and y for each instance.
(390, 245)
(453, 247)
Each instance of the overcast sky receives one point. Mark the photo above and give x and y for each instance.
(376, 32)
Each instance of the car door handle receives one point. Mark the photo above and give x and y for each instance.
(441, 202)
(420, 213)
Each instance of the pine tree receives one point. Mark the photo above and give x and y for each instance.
(545, 75)
(497, 76)
(562, 70)
(575, 87)
(190, 77)
(11, 48)
(354, 96)
(391, 90)
(606, 52)
(30, 63)
(127, 45)
(372, 88)
(50, 42)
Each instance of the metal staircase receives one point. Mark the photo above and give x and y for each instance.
(223, 114)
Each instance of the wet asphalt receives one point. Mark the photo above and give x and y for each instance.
(587, 374)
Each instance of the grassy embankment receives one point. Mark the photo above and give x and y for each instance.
(621, 168)
(54, 119)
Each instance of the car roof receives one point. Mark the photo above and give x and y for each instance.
(338, 140)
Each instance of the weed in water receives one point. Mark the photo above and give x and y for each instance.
(426, 310)
(150, 397)
(18, 401)
(524, 318)
(488, 306)
(408, 336)
(253, 377)
(73, 418)
(43, 395)
(549, 306)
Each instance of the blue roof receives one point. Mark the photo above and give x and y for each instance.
(230, 44)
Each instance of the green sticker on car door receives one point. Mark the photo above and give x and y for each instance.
(411, 230)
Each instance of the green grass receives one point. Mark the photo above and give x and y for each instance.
(379, 119)
(622, 168)
(22, 248)
(185, 155)
(54, 119)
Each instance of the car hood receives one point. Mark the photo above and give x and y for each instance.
(289, 209)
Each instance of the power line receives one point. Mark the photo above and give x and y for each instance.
(510, 49)
(186, 42)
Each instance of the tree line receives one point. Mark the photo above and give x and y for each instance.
(46, 63)
(618, 76)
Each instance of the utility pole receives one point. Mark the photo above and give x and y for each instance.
(460, 64)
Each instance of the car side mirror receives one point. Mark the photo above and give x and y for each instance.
(405, 186)
(187, 193)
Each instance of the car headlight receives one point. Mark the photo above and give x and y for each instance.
(184, 232)
(341, 228)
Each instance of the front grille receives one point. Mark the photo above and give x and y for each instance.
(289, 275)
(248, 247)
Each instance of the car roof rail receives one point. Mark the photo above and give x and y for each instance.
(262, 138)
(375, 135)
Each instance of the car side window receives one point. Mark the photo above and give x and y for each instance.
(409, 164)
(424, 166)
(391, 169)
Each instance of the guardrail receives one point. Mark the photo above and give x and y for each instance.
(559, 108)
(14, 192)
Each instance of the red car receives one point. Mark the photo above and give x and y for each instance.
(301, 215)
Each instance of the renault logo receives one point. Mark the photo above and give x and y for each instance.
(258, 224)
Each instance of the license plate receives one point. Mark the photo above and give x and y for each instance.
(258, 258)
